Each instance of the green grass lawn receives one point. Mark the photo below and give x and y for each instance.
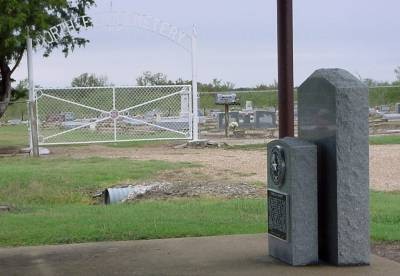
(26, 181)
(14, 136)
(72, 223)
(384, 140)
(51, 200)
(385, 216)
(17, 136)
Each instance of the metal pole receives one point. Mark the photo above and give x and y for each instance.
(115, 119)
(194, 87)
(32, 105)
(285, 67)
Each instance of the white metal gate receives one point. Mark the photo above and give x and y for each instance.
(110, 114)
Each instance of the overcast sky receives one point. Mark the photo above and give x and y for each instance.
(237, 42)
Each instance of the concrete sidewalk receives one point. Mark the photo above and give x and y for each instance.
(224, 255)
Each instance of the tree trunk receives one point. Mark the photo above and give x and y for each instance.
(5, 87)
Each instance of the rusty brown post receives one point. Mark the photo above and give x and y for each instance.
(285, 68)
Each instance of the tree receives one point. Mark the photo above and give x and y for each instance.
(89, 80)
(216, 85)
(148, 78)
(18, 18)
(262, 86)
(20, 91)
(373, 83)
(397, 72)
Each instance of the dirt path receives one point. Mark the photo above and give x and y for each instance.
(237, 166)
(385, 167)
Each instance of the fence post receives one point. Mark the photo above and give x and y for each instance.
(115, 119)
(33, 131)
(195, 97)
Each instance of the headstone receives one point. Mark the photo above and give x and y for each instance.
(184, 105)
(68, 116)
(233, 117)
(391, 117)
(265, 119)
(245, 120)
(292, 201)
(4, 208)
(384, 109)
(179, 124)
(333, 113)
(249, 105)
(398, 108)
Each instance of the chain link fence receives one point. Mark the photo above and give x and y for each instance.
(255, 116)
(14, 125)
(108, 114)
(111, 114)
(256, 106)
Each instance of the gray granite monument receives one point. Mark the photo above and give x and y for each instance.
(245, 120)
(333, 113)
(265, 119)
(292, 201)
(233, 117)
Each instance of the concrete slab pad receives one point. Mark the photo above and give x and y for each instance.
(223, 255)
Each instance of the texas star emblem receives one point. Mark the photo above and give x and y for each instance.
(277, 166)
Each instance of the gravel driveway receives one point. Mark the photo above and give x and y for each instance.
(236, 166)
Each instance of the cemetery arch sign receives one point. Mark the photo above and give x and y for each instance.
(187, 95)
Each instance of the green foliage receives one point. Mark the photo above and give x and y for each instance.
(374, 83)
(397, 73)
(216, 85)
(384, 96)
(18, 19)
(267, 86)
(21, 91)
(90, 80)
(148, 78)
(35, 16)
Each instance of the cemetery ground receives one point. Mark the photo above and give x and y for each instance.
(213, 191)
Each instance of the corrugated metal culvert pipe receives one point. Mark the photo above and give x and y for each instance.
(115, 195)
(120, 194)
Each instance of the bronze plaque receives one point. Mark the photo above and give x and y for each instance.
(278, 214)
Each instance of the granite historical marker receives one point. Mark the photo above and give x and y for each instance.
(292, 201)
(333, 114)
